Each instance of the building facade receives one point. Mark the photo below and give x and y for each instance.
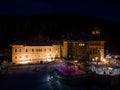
(24, 52)
(89, 50)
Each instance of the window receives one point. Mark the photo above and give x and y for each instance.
(69, 56)
(20, 50)
(32, 50)
(41, 50)
(44, 49)
(50, 49)
(15, 57)
(81, 44)
(93, 32)
(20, 57)
(73, 44)
(15, 50)
(36, 50)
(26, 50)
(74, 57)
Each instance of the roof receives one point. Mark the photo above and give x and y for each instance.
(28, 43)
(81, 36)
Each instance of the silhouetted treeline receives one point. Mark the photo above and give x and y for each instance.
(53, 26)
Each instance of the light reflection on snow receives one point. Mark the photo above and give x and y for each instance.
(105, 70)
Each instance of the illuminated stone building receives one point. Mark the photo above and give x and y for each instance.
(83, 47)
(34, 52)
(89, 50)
(73, 47)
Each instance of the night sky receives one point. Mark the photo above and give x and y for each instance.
(108, 9)
(18, 18)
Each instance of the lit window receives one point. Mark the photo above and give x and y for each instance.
(93, 32)
(97, 32)
(74, 57)
(96, 58)
(69, 56)
(81, 44)
(116, 56)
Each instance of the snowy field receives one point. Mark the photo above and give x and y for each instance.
(35, 77)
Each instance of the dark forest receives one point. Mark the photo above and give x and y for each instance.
(54, 26)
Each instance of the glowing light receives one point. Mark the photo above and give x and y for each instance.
(23, 62)
(116, 56)
(75, 61)
(103, 60)
(96, 58)
(60, 61)
(108, 56)
(110, 68)
(93, 59)
(47, 78)
(49, 60)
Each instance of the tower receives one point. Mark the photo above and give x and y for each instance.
(96, 32)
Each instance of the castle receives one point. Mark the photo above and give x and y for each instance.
(74, 48)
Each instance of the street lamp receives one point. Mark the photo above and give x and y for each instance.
(96, 58)
(60, 63)
(75, 62)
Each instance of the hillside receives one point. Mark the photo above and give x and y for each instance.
(55, 26)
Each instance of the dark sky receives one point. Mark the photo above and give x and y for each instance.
(108, 9)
